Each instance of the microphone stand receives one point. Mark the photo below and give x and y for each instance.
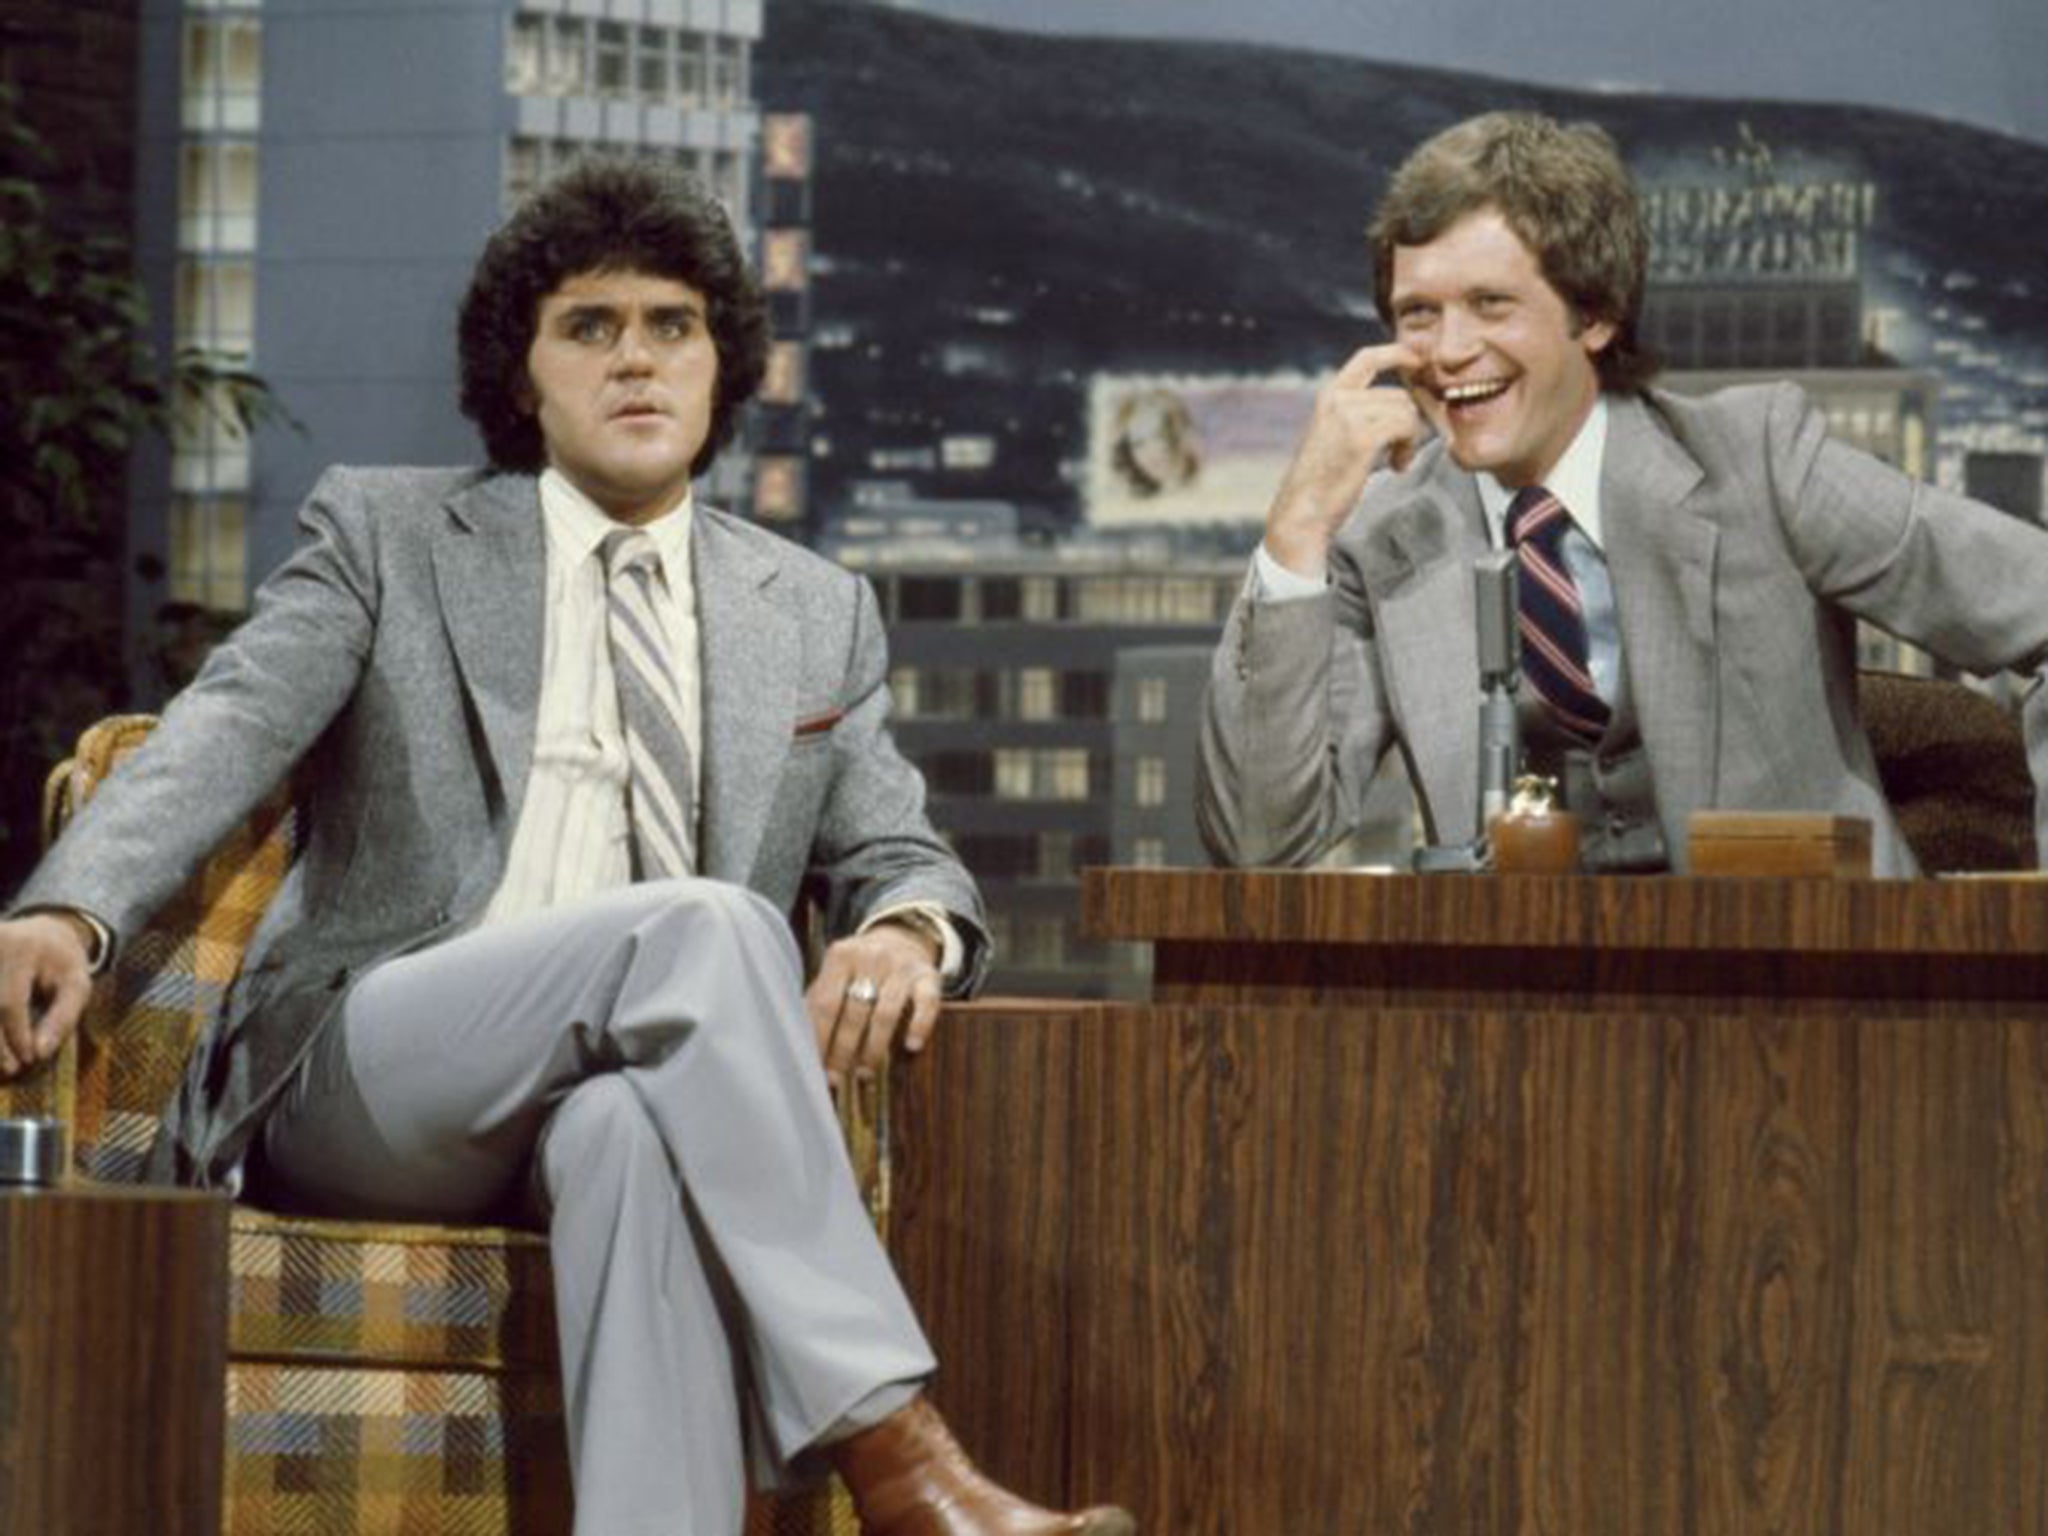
(1494, 575)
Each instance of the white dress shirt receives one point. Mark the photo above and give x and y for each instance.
(574, 836)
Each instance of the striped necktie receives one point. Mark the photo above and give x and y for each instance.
(660, 794)
(1552, 618)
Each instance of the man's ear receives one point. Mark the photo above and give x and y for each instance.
(1595, 335)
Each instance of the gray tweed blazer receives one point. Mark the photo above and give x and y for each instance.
(1743, 544)
(392, 667)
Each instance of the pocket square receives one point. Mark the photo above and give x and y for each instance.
(817, 725)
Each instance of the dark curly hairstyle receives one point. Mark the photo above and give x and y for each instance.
(603, 215)
(1564, 192)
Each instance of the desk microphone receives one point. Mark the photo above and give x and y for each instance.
(1500, 732)
(1494, 575)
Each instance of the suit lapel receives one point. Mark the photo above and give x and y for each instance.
(1660, 545)
(490, 572)
(1416, 562)
(750, 657)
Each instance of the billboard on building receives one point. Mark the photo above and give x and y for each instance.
(1178, 448)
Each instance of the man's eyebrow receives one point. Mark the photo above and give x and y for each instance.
(590, 309)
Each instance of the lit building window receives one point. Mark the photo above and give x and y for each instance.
(1037, 694)
(217, 197)
(903, 691)
(209, 452)
(209, 552)
(1025, 773)
(1149, 787)
(1107, 600)
(1064, 773)
(778, 487)
(216, 307)
(526, 56)
(1014, 777)
(1148, 600)
(568, 68)
(1148, 852)
(786, 146)
(1151, 700)
(1041, 599)
(782, 383)
(785, 260)
(223, 78)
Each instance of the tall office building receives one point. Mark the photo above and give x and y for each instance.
(1004, 679)
(315, 181)
(782, 408)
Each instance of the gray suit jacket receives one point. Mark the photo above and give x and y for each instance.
(393, 664)
(1742, 542)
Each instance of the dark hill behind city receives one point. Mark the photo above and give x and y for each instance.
(999, 215)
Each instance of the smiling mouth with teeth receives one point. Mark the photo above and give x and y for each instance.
(1472, 394)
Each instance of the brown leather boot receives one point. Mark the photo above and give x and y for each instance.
(909, 1477)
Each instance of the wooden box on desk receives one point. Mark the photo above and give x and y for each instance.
(1779, 843)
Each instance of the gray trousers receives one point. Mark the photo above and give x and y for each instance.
(640, 1068)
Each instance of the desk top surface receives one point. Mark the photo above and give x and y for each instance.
(1967, 917)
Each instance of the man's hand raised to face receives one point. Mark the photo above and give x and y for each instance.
(1359, 425)
(45, 978)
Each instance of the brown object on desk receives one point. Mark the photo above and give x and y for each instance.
(113, 1345)
(1787, 843)
(1535, 836)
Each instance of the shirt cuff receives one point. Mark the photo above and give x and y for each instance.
(101, 952)
(927, 917)
(1273, 582)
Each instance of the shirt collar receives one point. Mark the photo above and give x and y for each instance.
(576, 525)
(1574, 480)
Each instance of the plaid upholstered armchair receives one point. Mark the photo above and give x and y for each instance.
(383, 1380)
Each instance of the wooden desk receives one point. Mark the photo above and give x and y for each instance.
(113, 1359)
(1476, 1205)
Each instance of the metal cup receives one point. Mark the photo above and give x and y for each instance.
(31, 1151)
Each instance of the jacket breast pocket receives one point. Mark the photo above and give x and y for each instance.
(815, 727)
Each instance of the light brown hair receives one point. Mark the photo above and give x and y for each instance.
(1562, 189)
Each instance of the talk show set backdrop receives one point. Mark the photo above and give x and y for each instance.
(1071, 297)
(1051, 310)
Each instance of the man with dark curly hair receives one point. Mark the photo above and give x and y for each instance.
(568, 745)
(1691, 569)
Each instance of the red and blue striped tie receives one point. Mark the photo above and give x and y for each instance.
(1552, 618)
